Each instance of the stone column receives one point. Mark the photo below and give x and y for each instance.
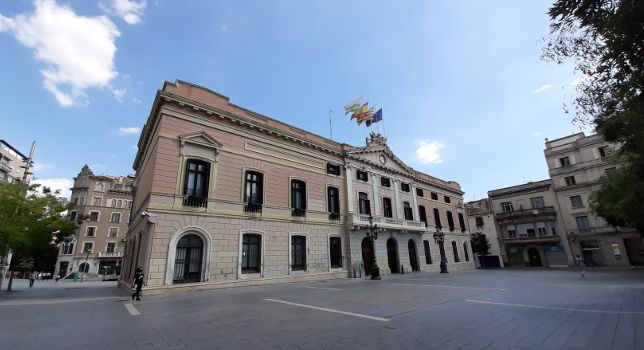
(349, 180)
(376, 197)
(397, 204)
(415, 203)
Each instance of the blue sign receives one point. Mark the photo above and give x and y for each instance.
(553, 249)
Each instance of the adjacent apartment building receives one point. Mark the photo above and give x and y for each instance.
(225, 195)
(575, 164)
(12, 164)
(481, 219)
(101, 208)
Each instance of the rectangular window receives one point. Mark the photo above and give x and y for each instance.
(437, 218)
(254, 189)
(582, 223)
(72, 216)
(434, 196)
(116, 217)
(479, 221)
(570, 180)
(461, 221)
(96, 201)
(542, 231)
(404, 187)
(298, 197)
(419, 192)
(364, 204)
(93, 216)
(113, 232)
(88, 247)
(251, 253)
(298, 253)
(455, 251)
(576, 201)
(507, 207)
(335, 252)
(409, 215)
(428, 253)
(450, 220)
(422, 214)
(196, 182)
(564, 161)
(111, 246)
(362, 175)
(512, 233)
(333, 169)
(603, 151)
(530, 232)
(333, 202)
(386, 207)
(90, 231)
(119, 203)
(385, 182)
(447, 199)
(537, 202)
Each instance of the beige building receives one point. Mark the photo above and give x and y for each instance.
(225, 195)
(101, 208)
(480, 218)
(12, 164)
(575, 164)
(530, 225)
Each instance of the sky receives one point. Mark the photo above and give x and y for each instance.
(465, 94)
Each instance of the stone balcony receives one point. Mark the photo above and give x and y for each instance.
(527, 215)
(110, 254)
(525, 239)
(387, 223)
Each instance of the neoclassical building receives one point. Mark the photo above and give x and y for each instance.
(224, 195)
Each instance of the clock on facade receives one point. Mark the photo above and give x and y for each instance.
(382, 159)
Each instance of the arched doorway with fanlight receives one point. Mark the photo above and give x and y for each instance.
(188, 256)
(367, 255)
(392, 255)
(413, 255)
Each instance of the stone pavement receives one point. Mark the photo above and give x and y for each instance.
(483, 309)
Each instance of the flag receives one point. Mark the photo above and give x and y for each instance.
(366, 117)
(376, 118)
(353, 106)
(360, 111)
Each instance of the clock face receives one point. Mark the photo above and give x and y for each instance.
(382, 159)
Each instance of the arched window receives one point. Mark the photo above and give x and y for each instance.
(455, 250)
(188, 259)
(84, 267)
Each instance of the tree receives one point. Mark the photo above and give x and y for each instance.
(31, 223)
(480, 244)
(605, 39)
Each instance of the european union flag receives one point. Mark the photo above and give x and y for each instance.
(376, 118)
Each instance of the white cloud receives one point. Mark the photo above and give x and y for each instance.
(578, 80)
(118, 94)
(78, 51)
(136, 100)
(537, 134)
(129, 130)
(38, 167)
(428, 152)
(61, 184)
(543, 88)
(130, 11)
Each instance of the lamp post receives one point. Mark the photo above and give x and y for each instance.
(372, 234)
(86, 264)
(439, 238)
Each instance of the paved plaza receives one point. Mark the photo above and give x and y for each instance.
(483, 309)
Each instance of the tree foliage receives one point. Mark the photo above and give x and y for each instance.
(480, 244)
(31, 222)
(605, 39)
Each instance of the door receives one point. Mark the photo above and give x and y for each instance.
(413, 258)
(534, 257)
(62, 271)
(187, 262)
(392, 255)
(367, 255)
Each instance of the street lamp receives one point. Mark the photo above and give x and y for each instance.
(439, 238)
(372, 234)
(87, 250)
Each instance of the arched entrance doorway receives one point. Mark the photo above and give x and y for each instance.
(367, 255)
(413, 256)
(188, 259)
(84, 267)
(392, 255)
(534, 257)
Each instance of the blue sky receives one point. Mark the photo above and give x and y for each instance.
(464, 93)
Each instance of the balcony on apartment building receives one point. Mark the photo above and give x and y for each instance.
(531, 238)
(527, 215)
(5, 167)
(385, 222)
(110, 254)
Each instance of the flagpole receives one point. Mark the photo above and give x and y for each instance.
(330, 126)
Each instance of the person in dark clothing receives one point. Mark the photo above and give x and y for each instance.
(138, 283)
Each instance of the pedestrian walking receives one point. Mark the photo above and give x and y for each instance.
(580, 262)
(138, 283)
(32, 277)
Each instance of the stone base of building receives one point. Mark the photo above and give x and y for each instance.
(200, 286)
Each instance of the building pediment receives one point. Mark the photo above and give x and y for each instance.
(200, 138)
(378, 153)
